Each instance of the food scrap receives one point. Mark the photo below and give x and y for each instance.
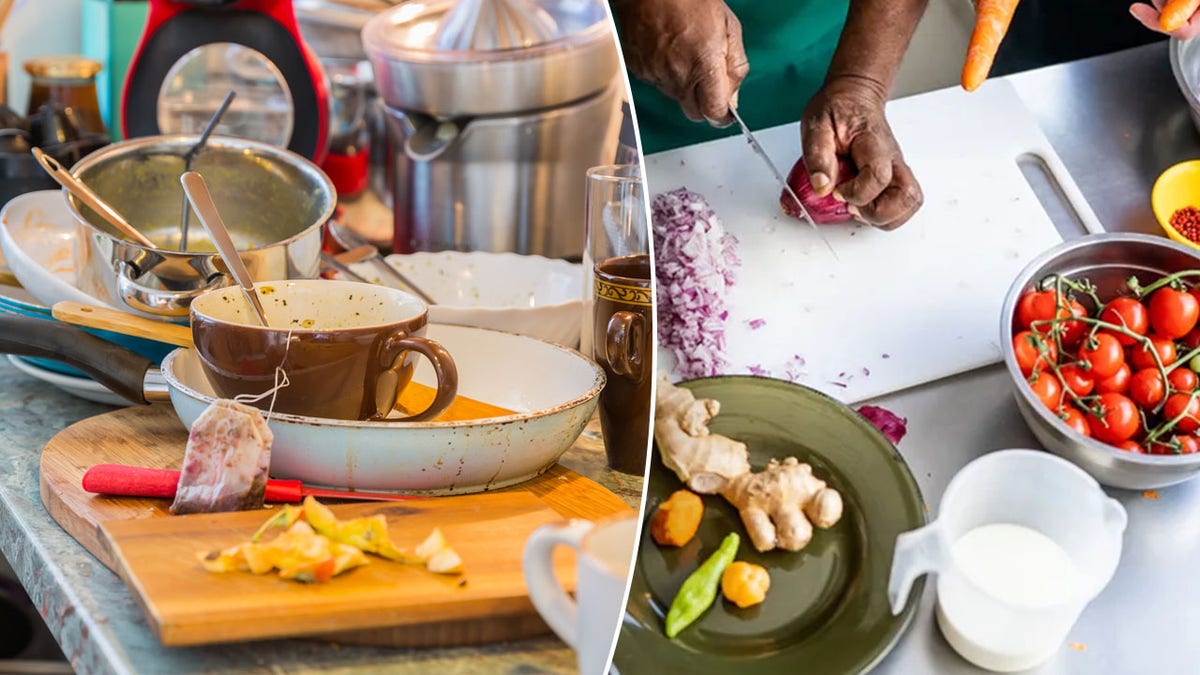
(892, 425)
(315, 546)
(1186, 222)
(1150, 494)
(226, 460)
(676, 520)
(1077, 646)
(1121, 369)
(699, 590)
(695, 261)
(745, 584)
(772, 503)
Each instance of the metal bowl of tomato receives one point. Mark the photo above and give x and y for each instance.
(1088, 429)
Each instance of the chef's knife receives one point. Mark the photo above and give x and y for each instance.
(762, 154)
(136, 481)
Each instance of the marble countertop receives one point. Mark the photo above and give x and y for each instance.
(99, 626)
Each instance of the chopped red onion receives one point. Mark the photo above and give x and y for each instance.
(694, 260)
(892, 425)
(755, 324)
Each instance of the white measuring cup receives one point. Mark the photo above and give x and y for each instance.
(1028, 488)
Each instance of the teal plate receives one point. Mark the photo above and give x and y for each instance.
(827, 609)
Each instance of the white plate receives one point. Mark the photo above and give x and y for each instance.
(82, 387)
(37, 236)
(525, 294)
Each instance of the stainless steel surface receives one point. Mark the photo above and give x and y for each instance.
(185, 214)
(1185, 64)
(513, 183)
(201, 200)
(779, 178)
(413, 75)
(350, 240)
(474, 25)
(85, 194)
(333, 30)
(1106, 260)
(342, 268)
(276, 203)
(1116, 121)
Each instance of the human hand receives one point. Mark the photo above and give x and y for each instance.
(690, 49)
(1149, 17)
(846, 118)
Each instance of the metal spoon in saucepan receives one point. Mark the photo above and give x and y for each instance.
(191, 154)
(197, 193)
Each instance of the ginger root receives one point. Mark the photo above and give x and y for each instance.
(774, 504)
(676, 520)
(778, 505)
(703, 461)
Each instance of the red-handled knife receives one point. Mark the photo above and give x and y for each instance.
(136, 481)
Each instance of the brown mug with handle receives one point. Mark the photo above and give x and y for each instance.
(623, 309)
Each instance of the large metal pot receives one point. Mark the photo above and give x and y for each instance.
(274, 202)
(495, 126)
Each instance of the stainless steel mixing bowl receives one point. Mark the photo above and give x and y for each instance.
(1107, 260)
(1185, 63)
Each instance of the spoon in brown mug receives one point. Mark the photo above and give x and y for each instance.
(202, 202)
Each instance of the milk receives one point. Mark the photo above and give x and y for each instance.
(1021, 568)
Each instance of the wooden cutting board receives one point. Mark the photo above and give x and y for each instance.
(382, 603)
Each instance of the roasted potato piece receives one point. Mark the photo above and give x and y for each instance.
(745, 584)
(676, 520)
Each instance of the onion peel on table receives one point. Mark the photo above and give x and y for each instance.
(893, 426)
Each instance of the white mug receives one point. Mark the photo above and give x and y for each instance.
(588, 624)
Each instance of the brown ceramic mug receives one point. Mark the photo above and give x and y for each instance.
(349, 349)
(624, 337)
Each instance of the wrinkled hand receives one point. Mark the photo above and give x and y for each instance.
(846, 118)
(1148, 16)
(690, 49)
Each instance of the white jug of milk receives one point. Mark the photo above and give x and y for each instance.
(1023, 542)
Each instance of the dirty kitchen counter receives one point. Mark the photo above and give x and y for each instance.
(99, 625)
(1117, 121)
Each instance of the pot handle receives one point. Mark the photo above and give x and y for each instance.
(426, 138)
(157, 301)
(443, 366)
(117, 368)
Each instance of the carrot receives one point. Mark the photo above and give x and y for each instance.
(1176, 13)
(991, 23)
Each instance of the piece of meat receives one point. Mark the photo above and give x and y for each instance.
(225, 465)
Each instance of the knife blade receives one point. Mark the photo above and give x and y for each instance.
(135, 481)
(762, 154)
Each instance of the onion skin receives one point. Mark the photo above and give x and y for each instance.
(823, 210)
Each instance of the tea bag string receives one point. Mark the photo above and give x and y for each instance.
(281, 380)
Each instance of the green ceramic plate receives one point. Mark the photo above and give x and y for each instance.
(827, 609)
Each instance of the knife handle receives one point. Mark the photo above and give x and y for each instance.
(136, 481)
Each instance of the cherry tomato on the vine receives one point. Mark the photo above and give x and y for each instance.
(1141, 357)
(1127, 312)
(1118, 420)
(1176, 405)
(1103, 355)
(1117, 383)
(1179, 444)
(1046, 388)
(1130, 446)
(1183, 379)
(1034, 352)
(1075, 419)
(1077, 380)
(1173, 314)
(1044, 306)
(1146, 388)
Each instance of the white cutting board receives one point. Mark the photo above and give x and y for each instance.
(895, 309)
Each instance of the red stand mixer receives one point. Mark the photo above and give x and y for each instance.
(192, 52)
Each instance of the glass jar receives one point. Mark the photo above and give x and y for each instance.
(68, 82)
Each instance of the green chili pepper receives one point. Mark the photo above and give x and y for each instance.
(699, 590)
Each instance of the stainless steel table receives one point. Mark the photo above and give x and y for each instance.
(1117, 121)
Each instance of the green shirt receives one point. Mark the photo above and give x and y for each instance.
(789, 44)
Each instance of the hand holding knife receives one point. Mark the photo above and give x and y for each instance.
(758, 150)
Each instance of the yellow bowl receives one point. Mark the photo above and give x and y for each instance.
(1177, 187)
